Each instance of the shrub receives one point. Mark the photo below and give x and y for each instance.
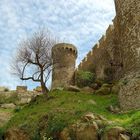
(17, 109)
(84, 78)
(1, 134)
(104, 90)
(6, 89)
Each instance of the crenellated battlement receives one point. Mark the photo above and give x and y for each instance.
(100, 45)
(66, 47)
(116, 56)
(64, 57)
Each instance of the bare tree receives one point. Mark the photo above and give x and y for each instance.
(34, 60)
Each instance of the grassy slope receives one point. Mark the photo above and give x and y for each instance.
(67, 107)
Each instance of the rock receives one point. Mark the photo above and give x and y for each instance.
(4, 118)
(87, 90)
(8, 106)
(88, 117)
(99, 117)
(24, 101)
(114, 109)
(113, 133)
(95, 86)
(92, 102)
(104, 90)
(86, 131)
(124, 137)
(58, 88)
(21, 89)
(73, 88)
(80, 131)
(115, 89)
(65, 134)
(16, 134)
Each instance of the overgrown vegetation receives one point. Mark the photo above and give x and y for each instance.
(84, 78)
(43, 118)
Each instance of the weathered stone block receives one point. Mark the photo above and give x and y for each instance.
(21, 89)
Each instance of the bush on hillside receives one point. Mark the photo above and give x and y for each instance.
(84, 78)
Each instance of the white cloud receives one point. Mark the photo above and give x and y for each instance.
(80, 22)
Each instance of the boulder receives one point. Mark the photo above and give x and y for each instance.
(86, 131)
(113, 109)
(4, 118)
(65, 134)
(115, 89)
(92, 102)
(16, 134)
(104, 90)
(114, 133)
(95, 86)
(124, 137)
(88, 117)
(8, 106)
(21, 89)
(87, 90)
(80, 131)
(72, 88)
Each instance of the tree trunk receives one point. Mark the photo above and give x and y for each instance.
(44, 89)
(43, 86)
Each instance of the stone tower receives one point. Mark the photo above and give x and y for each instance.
(64, 57)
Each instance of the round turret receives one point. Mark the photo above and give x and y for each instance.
(64, 56)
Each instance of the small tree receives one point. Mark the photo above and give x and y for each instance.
(34, 60)
(84, 78)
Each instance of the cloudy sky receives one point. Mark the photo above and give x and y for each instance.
(80, 22)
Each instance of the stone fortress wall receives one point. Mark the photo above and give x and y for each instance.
(101, 56)
(118, 51)
(117, 54)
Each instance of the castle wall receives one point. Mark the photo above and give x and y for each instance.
(118, 52)
(128, 26)
(117, 56)
(64, 57)
(99, 59)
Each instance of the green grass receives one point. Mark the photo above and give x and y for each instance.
(65, 108)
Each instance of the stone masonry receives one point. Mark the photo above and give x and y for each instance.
(117, 54)
(64, 57)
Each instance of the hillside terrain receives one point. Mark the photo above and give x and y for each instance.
(47, 119)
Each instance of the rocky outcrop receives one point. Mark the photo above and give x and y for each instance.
(16, 134)
(4, 118)
(80, 131)
(115, 133)
(8, 106)
(72, 88)
(89, 128)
